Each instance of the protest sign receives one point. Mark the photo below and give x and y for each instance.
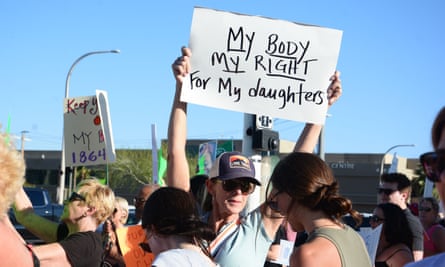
(259, 65)
(87, 131)
(129, 239)
(206, 156)
(371, 238)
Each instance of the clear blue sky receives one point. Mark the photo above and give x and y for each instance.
(392, 62)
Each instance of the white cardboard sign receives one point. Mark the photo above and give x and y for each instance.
(259, 65)
(87, 130)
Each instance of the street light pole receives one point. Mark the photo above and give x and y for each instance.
(387, 151)
(22, 145)
(67, 86)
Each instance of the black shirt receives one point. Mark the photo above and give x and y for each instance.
(83, 249)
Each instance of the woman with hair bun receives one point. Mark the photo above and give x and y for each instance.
(175, 233)
(305, 191)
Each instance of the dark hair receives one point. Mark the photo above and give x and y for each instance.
(438, 125)
(199, 191)
(401, 179)
(310, 182)
(433, 201)
(395, 226)
(172, 211)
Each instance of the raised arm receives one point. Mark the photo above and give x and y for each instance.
(41, 227)
(309, 136)
(177, 166)
(306, 143)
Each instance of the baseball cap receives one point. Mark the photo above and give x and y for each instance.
(233, 165)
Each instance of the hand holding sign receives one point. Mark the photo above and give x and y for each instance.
(245, 62)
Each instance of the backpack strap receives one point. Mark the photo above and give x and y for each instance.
(216, 244)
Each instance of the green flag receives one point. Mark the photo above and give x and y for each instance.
(162, 168)
(8, 129)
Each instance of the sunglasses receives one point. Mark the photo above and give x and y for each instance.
(386, 191)
(376, 219)
(75, 196)
(139, 200)
(233, 184)
(425, 209)
(433, 164)
(273, 204)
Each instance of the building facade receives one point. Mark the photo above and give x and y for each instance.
(357, 174)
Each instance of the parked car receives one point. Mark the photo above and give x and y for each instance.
(43, 206)
(131, 215)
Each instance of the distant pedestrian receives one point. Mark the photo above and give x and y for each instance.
(434, 167)
(396, 188)
(394, 247)
(434, 232)
(139, 200)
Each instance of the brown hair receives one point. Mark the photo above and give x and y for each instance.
(438, 125)
(310, 182)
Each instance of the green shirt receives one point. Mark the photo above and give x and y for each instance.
(349, 244)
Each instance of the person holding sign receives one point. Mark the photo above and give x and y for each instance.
(305, 190)
(75, 242)
(433, 164)
(241, 240)
(174, 230)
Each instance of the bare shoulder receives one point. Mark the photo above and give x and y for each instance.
(317, 252)
(396, 255)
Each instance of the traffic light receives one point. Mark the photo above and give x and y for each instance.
(263, 137)
(266, 140)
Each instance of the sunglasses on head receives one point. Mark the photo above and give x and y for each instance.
(433, 164)
(245, 186)
(75, 196)
(425, 209)
(376, 219)
(386, 191)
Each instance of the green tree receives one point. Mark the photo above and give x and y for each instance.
(131, 169)
(418, 184)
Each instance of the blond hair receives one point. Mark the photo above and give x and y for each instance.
(122, 203)
(98, 196)
(12, 173)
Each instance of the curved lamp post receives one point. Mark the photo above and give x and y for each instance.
(387, 151)
(67, 86)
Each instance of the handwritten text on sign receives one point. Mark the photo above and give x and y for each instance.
(87, 131)
(129, 239)
(260, 66)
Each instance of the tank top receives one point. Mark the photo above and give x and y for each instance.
(428, 243)
(349, 244)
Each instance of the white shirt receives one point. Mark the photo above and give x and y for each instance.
(182, 258)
